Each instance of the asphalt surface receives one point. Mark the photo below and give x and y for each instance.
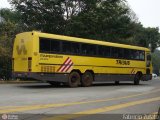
(107, 101)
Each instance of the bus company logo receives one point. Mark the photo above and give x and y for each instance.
(123, 62)
(4, 117)
(65, 67)
(21, 48)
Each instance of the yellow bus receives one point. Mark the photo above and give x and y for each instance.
(76, 61)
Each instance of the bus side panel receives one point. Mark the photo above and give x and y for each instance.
(98, 65)
(104, 69)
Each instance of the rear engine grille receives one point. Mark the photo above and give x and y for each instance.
(48, 69)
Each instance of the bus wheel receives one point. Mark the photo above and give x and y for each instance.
(74, 79)
(54, 83)
(137, 79)
(87, 79)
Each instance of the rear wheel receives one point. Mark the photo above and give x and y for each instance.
(74, 79)
(87, 79)
(137, 79)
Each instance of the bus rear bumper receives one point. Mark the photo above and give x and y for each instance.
(41, 76)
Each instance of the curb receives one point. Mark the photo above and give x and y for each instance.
(18, 82)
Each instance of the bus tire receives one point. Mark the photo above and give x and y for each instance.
(87, 79)
(137, 79)
(74, 79)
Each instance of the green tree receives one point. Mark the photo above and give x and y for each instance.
(9, 15)
(5, 49)
(10, 25)
(43, 15)
(107, 20)
(146, 37)
(155, 61)
(99, 19)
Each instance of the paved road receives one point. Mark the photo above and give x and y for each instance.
(101, 101)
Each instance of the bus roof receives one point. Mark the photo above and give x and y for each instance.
(84, 40)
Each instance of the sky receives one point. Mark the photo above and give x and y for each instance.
(146, 10)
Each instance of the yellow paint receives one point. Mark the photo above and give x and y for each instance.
(7, 107)
(103, 109)
(37, 107)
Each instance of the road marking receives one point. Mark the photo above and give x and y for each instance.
(37, 107)
(103, 109)
(136, 89)
(4, 107)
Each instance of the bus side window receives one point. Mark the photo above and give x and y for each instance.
(142, 55)
(45, 45)
(75, 48)
(102, 51)
(132, 54)
(55, 46)
(88, 49)
(92, 50)
(120, 52)
(84, 49)
(66, 47)
(114, 52)
(107, 51)
(135, 54)
(127, 54)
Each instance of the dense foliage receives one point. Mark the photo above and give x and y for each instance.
(156, 61)
(107, 20)
(10, 25)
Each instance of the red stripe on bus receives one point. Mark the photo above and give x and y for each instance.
(69, 67)
(63, 64)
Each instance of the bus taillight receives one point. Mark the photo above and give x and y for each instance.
(29, 64)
